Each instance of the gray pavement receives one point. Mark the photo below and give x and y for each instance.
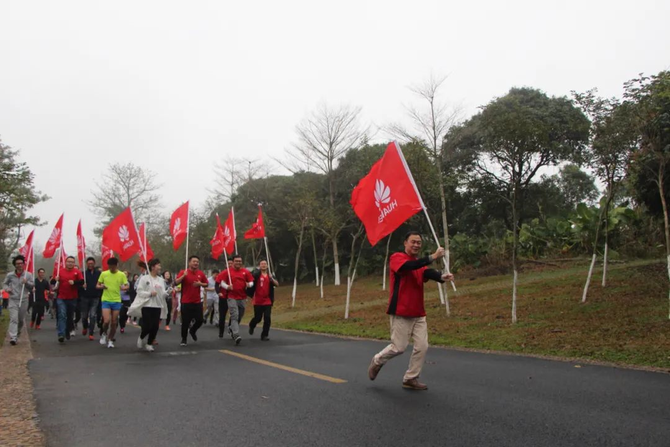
(88, 395)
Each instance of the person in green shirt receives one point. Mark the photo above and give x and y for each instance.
(112, 282)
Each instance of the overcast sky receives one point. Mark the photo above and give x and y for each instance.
(176, 86)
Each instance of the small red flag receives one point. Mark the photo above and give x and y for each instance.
(229, 234)
(81, 246)
(121, 235)
(179, 226)
(386, 197)
(217, 240)
(55, 240)
(27, 252)
(146, 248)
(257, 230)
(106, 254)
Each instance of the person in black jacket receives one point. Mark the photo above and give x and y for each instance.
(42, 290)
(264, 298)
(89, 298)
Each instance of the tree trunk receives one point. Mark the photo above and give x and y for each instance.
(316, 259)
(595, 253)
(253, 253)
(351, 276)
(666, 224)
(336, 262)
(297, 263)
(515, 242)
(443, 203)
(386, 260)
(323, 266)
(610, 196)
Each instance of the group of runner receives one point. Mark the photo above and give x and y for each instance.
(108, 299)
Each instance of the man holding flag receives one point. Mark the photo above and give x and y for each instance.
(18, 284)
(192, 281)
(235, 281)
(68, 281)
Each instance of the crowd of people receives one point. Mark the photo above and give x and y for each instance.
(106, 301)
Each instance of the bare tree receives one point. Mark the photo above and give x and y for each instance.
(324, 136)
(122, 186)
(231, 173)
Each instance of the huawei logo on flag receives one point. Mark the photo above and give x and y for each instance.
(124, 234)
(226, 235)
(383, 197)
(177, 226)
(53, 239)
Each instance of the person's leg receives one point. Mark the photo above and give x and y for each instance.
(84, 304)
(33, 316)
(112, 325)
(169, 312)
(145, 323)
(154, 317)
(267, 321)
(223, 310)
(401, 330)
(241, 306)
(13, 308)
(23, 310)
(106, 322)
(69, 316)
(198, 320)
(186, 317)
(418, 358)
(92, 315)
(62, 317)
(77, 312)
(234, 325)
(123, 316)
(258, 315)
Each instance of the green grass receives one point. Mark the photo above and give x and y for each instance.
(624, 323)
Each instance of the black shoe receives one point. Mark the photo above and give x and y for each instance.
(193, 336)
(251, 330)
(61, 339)
(12, 342)
(183, 343)
(265, 338)
(67, 335)
(238, 340)
(220, 335)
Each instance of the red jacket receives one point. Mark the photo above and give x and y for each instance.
(406, 279)
(190, 293)
(240, 279)
(65, 290)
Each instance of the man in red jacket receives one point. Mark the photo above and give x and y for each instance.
(408, 316)
(68, 282)
(236, 284)
(192, 281)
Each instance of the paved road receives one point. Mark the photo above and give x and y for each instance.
(88, 395)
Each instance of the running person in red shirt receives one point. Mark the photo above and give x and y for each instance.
(241, 280)
(67, 282)
(192, 281)
(264, 298)
(408, 316)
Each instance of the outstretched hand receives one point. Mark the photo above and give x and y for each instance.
(447, 277)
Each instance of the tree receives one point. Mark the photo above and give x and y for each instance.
(516, 136)
(649, 99)
(232, 172)
(17, 196)
(324, 136)
(576, 186)
(122, 186)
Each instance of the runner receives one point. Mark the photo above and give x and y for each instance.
(89, 299)
(408, 316)
(42, 290)
(223, 302)
(212, 298)
(127, 297)
(169, 284)
(264, 298)
(241, 280)
(149, 304)
(111, 282)
(17, 284)
(192, 281)
(67, 284)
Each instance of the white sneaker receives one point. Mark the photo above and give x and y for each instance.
(72, 333)
(110, 344)
(103, 339)
(149, 348)
(140, 343)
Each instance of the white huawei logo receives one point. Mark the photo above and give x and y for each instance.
(124, 234)
(177, 226)
(53, 239)
(382, 193)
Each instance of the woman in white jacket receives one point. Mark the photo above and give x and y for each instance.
(150, 304)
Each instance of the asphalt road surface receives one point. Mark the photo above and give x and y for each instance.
(88, 395)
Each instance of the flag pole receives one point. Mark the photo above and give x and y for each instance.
(232, 210)
(423, 206)
(267, 252)
(188, 232)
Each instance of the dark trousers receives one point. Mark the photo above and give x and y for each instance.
(89, 313)
(65, 317)
(77, 311)
(223, 310)
(38, 313)
(169, 307)
(123, 315)
(264, 313)
(151, 319)
(190, 312)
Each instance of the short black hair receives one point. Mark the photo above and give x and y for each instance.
(237, 256)
(18, 258)
(193, 256)
(215, 271)
(40, 270)
(90, 258)
(70, 257)
(412, 233)
(153, 262)
(112, 261)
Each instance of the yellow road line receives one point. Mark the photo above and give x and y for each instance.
(284, 367)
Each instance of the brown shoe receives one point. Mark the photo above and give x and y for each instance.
(373, 369)
(414, 384)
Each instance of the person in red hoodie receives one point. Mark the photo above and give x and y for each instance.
(192, 281)
(235, 281)
(67, 283)
(406, 308)
(264, 298)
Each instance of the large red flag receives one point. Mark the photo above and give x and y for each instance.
(27, 252)
(121, 235)
(217, 240)
(229, 234)
(146, 248)
(81, 246)
(257, 230)
(59, 260)
(106, 254)
(386, 197)
(179, 226)
(55, 240)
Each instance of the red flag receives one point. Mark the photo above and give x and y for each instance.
(146, 248)
(121, 235)
(81, 246)
(217, 240)
(27, 252)
(257, 230)
(229, 234)
(61, 258)
(386, 197)
(106, 254)
(179, 226)
(55, 240)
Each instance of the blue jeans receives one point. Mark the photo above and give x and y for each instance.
(65, 321)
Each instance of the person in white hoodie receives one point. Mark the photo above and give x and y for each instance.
(150, 304)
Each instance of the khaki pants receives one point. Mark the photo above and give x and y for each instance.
(402, 331)
(17, 316)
